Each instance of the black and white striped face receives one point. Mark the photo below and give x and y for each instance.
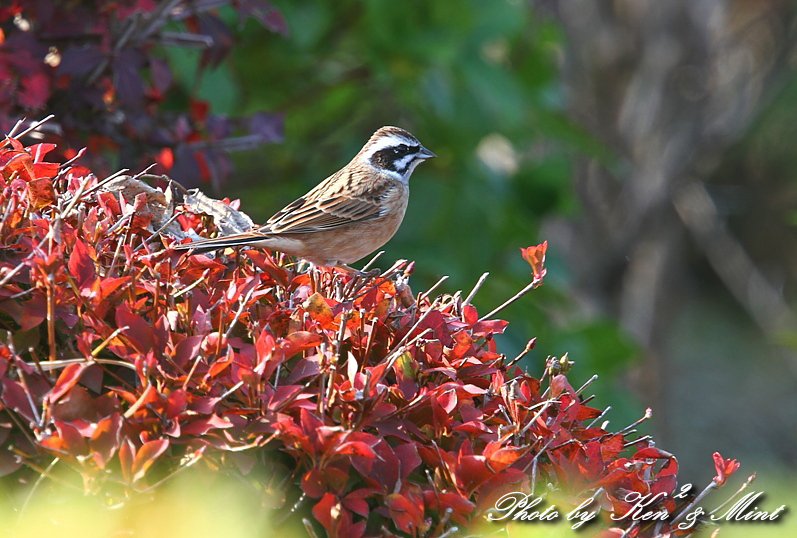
(394, 151)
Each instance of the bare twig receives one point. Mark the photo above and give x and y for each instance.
(33, 126)
(35, 486)
(731, 262)
(475, 288)
(531, 285)
(529, 345)
(63, 363)
(603, 414)
(428, 292)
(372, 260)
(736, 494)
(67, 164)
(11, 273)
(239, 311)
(647, 416)
(587, 384)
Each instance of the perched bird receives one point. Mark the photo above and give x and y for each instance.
(347, 216)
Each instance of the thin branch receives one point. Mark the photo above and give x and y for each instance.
(63, 363)
(731, 261)
(371, 262)
(67, 164)
(603, 414)
(530, 286)
(35, 486)
(33, 126)
(647, 416)
(426, 294)
(587, 384)
(240, 311)
(736, 494)
(529, 345)
(475, 288)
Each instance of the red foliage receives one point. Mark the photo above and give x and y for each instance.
(100, 67)
(535, 257)
(387, 414)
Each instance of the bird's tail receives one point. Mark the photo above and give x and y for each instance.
(209, 245)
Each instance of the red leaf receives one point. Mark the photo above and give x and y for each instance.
(472, 428)
(73, 440)
(175, 403)
(203, 425)
(652, 452)
(485, 328)
(16, 164)
(198, 110)
(187, 349)
(586, 413)
(45, 170)
(612, 446)
(68, 378)
(81, 264)
(109, 285)
(126, 457)
(41, 193)
(165, 158)
(138, 330)
(472, 471)
(448, 400)
(469, 315)
(76, 404)
(108, 201)
(298, 341)
(105, 439)
(504, 457)
(408, 457)
(724, 468)
(535, 257)
(462, 342)
(355, 502)
(146, 456)
(319, 310)
(407, 514)
(559, 384)
(14, 396)
(264, 350)
(323, 512)
(509, 480)
(38, 151)
(356, 448)
(313, 483)
(440, 502)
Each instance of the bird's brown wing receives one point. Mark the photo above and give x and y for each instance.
(304, 216)
(332, 203)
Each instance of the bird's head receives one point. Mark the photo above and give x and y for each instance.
(394, 151)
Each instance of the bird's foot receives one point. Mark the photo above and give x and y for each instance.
(356, 272)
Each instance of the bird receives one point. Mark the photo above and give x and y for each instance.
(348, 215)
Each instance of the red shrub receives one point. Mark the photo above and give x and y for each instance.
(386, 413)
(101, 67)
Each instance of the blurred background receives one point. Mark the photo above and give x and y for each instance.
(651, 144)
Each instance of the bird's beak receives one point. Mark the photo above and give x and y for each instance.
(425, 154)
